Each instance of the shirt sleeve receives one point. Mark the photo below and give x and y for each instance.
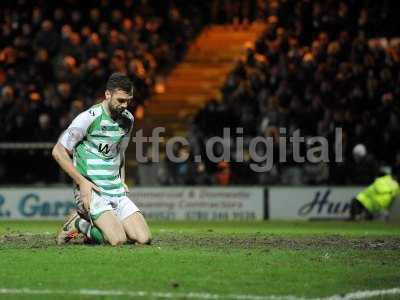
(125, 141)
(76, 130)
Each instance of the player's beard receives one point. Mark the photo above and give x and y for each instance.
(116, 112)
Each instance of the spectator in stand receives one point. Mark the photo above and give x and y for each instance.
(202, 177)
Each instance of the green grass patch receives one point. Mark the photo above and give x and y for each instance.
(260, 258)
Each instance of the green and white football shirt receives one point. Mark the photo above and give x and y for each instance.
(98, 144)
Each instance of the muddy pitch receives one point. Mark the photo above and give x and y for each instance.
(225, 242)
(282, 242)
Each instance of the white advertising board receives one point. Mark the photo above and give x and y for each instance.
(199, 203)
(176, 203)
(305, 203)
(35, 203)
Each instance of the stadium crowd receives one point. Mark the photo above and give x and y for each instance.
(319, 65)
(55, 59)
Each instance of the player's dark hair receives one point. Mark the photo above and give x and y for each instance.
(119, 81)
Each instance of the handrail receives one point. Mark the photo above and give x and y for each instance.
(21, 146)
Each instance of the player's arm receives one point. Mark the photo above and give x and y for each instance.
(62, 152)
(122, 172)
(63, 157)
(124, 146)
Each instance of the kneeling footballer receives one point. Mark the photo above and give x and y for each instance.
(96, 140)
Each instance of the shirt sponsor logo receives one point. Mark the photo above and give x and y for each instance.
(109, 149)
(104, 148)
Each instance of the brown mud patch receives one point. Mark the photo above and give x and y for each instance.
(227, 242)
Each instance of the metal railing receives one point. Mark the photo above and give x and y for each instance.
(24, 146)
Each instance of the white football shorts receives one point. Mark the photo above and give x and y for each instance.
(122, 206)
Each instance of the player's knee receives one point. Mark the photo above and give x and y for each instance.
(117, 239)
(143, 239)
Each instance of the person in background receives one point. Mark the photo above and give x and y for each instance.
(223, 175)
(202, 177)
(377, 198)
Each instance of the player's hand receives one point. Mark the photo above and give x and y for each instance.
(86, 187)
(126, 188)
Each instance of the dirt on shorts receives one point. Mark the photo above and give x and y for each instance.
(215, 241)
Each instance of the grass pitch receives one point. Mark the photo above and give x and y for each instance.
(218, 259)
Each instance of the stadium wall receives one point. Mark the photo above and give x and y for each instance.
(196, 203)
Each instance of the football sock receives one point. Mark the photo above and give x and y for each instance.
(92, 232)
(96, 235)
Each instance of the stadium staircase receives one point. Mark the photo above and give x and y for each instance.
(198, 78)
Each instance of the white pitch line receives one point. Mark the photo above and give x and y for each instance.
(364, 294)
(202, 296)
